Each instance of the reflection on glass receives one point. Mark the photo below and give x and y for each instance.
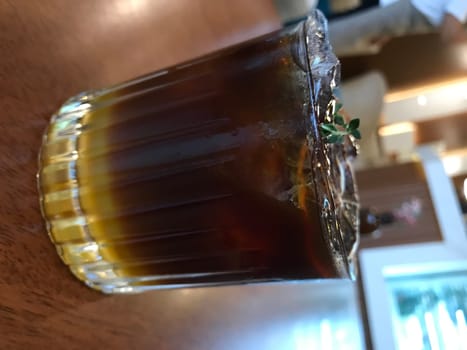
(328, 334)
(429, 311)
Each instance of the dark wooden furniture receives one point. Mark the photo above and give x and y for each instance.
(387, 188)
(411, 61)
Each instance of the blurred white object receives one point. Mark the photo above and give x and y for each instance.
(363, 98)
(454, 162)
(398, 139)
(444, 199)
(428, 102)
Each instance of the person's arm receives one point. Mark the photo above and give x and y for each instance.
(452, 28)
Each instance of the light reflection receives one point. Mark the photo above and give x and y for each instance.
(414, 338)
(460, 55)
(341, 334)
(447, 328)
(124, 7)
(461, 328)
(396, 129)
(305, 338)
(431, 328)
(422, 100)
(452, 90)
(452, 164)
(446, 99)
(326, 335)
(465, 188)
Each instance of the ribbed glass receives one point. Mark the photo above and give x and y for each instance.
(206, 173)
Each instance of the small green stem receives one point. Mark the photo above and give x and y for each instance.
(335, 131)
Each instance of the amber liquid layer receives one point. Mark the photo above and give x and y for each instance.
(196, 175)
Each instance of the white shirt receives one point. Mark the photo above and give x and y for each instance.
(434, 10)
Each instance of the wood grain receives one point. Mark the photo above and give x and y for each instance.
(451, 130)
(411, 61)
(53, 49)
(387, 188)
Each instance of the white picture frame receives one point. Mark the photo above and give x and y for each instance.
(377, 264)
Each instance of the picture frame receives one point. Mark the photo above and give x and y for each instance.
(377, 265)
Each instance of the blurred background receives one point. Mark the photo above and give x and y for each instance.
(404, 74)
(407, 81)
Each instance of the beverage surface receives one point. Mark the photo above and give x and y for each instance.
(203, 173)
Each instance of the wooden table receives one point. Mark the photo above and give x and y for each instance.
(50, 50)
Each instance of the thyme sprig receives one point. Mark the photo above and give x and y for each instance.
(335, 131)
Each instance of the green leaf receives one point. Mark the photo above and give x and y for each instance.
(339, 120)
(356, 133)
(335, 138)
(328, 127)
(338, 129)
(354, 124)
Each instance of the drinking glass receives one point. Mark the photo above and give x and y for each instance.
(209, 172)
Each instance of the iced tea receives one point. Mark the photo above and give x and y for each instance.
(205, 173)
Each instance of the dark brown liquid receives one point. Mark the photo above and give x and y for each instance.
(204, 170)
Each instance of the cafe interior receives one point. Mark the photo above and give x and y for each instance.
(410, 93)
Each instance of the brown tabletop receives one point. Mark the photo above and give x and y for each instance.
(50, 50)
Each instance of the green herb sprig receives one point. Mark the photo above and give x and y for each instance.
(335, 131)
